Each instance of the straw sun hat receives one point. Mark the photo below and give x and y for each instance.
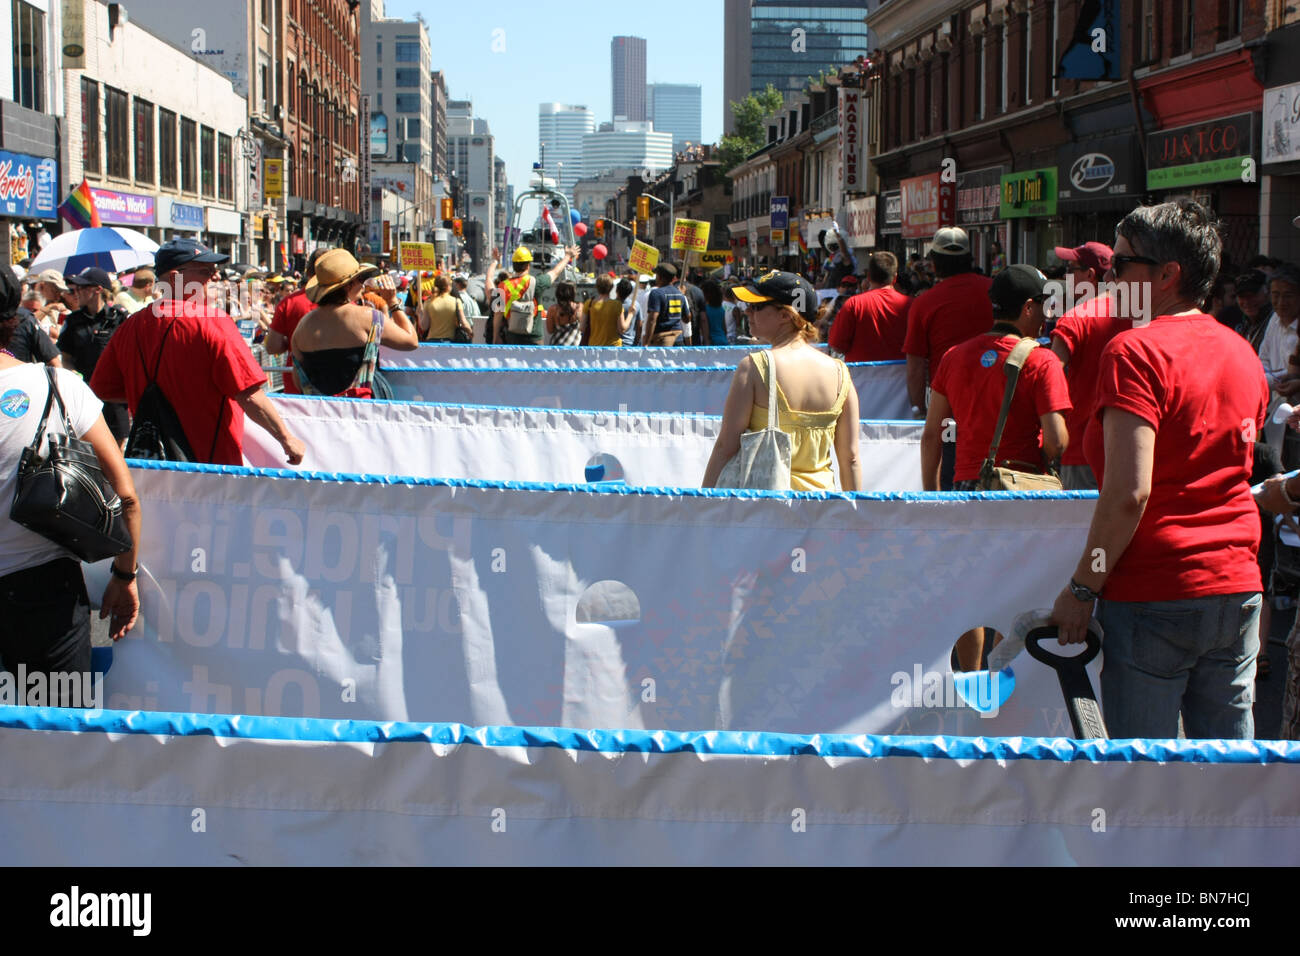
(334, 270)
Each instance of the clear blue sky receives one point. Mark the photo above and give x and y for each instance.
(560, 54)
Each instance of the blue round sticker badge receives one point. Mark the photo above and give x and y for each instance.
(988, 358)
(15, 403)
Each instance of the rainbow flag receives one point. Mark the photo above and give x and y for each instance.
(79, 208)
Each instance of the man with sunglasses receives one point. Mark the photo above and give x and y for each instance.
(1171, 552)
(1078, 339)
(205, 369)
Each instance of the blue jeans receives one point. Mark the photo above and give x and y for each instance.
(1196, 656)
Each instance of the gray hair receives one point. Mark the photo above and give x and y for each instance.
(1184, 232)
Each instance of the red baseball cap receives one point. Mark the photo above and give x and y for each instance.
(1090, 255)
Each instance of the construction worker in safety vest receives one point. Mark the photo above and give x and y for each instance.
(514, 313)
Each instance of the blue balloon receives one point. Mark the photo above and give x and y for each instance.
(575, 217)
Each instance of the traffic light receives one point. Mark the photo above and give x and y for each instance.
(634, 225)
(457, 227)
(447, 209)
(643, 207)
(600, 228)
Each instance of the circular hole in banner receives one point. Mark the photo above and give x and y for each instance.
(979, 689)
(603, 466)
(608, 602)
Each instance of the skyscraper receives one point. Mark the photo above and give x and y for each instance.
(675, 108)
(627, 66)
(471, 155)
(783, 42)
(626, 145)
(560, 130)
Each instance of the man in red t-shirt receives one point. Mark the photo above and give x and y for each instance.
(284, 322)
(1078, 340)
(205, 369)
(871, 326)
(969, 385)
(956, 309)
(1172, 547)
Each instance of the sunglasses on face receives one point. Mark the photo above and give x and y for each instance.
(1119, 262)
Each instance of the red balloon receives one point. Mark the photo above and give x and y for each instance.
(599, 251)
(580, 228)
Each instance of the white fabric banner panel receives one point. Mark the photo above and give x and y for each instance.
(129, 789)
(882, 388)
(542, 605)
(448, 355)
(427, 440)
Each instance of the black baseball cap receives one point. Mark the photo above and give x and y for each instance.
(666, 268)
(784, 288)
(92, 275)
(178, 252)
(1016, 285)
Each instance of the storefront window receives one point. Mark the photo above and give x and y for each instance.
(225, 174)
(28, 55)
(208, 160)
(189, 156)
(143, 141)
(166, 149)
(118, 124)
(90, 125)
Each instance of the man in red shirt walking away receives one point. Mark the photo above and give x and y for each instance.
(871, 326)
(284, 322)
(204, 367)
(1078, 340)
(956, 309)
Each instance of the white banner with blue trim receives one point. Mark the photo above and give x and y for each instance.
(530, 444)
(882, 388)
(449, 355)
(515, 604)
(131, 789)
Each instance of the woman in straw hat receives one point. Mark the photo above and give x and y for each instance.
(336, 346)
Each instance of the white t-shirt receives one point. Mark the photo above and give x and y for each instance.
(23, 391)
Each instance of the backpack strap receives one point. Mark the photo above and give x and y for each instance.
(1011, 368)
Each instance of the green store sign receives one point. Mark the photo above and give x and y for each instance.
(1029, 193)
(1194, 174)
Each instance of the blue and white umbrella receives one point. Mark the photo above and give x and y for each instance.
(108, 247)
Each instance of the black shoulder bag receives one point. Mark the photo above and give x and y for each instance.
(156, 430)
(64, 495)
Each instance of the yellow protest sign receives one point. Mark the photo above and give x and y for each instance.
(716, 258)
(418, 255)
(644, 257)
(691, 235)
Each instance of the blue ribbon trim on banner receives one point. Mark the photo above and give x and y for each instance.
(240, 471)
(712, 742)
(411, 369)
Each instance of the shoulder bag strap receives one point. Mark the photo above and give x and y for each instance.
(1012, 369)
(773, 409)
(45, 415)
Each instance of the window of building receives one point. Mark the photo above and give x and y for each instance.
(189, 156)
(911, 106)
(407, 79)
(408, 52)
(1026, 55)
(117, 126)
(412, 128)
(1053, 9)
(1003, 65)
(411, 153)
(1147, 45)
(408, 103)
(143, 141)
(264, 88)
(90, 125)
(208, 160)
(166, 149)
(225, 169)
(1184, 27)
(981, 73)
(266, 13)
(945, 121)
(1229, 19)
(29, 55)
(379, 76)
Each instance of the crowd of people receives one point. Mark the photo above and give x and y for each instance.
(1162, 401)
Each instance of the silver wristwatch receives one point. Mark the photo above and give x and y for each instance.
(1081, 592)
